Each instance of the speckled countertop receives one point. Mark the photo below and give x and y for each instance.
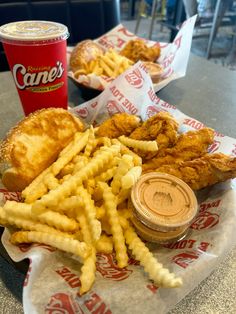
(207, 93)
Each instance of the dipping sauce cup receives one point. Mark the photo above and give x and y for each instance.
(36, 54)
(163, 207)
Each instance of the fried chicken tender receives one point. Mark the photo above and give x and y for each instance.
(161, 127)
(190, 145)
(136, 50)
(117, 125)
(205, 171)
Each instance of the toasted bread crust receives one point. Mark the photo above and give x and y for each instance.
(84, 52)
(34, 143)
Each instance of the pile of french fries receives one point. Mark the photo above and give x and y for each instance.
(111, 64)
(80, 205)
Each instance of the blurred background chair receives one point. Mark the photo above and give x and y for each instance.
(84, 18)
(152, 9)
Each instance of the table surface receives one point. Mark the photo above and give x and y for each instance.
(207, 93)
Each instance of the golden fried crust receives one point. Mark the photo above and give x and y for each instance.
(83, 53)
(205, 171)
(136, 50)
(161, 127)
(117, 125)
(190, 145)
(32, 145)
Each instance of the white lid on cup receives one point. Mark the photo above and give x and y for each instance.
(25, 31)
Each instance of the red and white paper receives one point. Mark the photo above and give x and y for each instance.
(174, 56)
(53, 280)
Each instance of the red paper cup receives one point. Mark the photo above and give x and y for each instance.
(36, 53)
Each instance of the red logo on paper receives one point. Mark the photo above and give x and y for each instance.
(82, 112)
(111, 41)
(234, 150)
(25, 247)
(10, 196)
(125, 32)
(205, 220)
(108, 269)
(135, 78)
(152, 288)
(152, 110)
(113, 107)
(186, 258)
(94, 104)
(62, 303)
(213, 147)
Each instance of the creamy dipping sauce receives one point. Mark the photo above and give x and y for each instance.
(164, 207)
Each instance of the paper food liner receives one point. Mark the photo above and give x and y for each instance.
(53, 280)
(174, 56)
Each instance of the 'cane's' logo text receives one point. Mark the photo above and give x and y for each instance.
(25, 79)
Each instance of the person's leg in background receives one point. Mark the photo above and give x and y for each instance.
(170, 7)
(206, 8)
(190, 7)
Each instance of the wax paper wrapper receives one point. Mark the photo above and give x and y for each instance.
(53, 279)
(174, 56)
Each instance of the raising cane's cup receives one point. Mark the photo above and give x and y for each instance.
(36, 53)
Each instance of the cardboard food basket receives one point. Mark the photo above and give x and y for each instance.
(173, 58)
(53, 279)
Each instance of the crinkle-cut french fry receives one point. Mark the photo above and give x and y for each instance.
(73, 202)
(80, 72)
(123, 222)
(36, 188)
(125, 164)
(89, 268)
(51, 182)
(91, 143)
(125, 212)
(105, 141)
(100, 212)
(36, 193)
(125, 150)
(66, 177)
(118, 237)
(68, 169)
(80, 163)
(85, 230)
(160, 275)
(131, 177)
(106, 175)
(3, 218)
(59, 221)
(148, 146)
(104, 244)
(90, 213)
(69, 146)
(29, 224)
(88, 271)
(122, 196)
(65, 189)
(97, 193)
(90, 183)
(64, 159)
(69, 245)
(51, 218)
(106, 227)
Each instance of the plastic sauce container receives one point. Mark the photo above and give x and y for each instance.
(163, 206)
(36, 53)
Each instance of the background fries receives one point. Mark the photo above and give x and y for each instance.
(110, 64)
(80, 204)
